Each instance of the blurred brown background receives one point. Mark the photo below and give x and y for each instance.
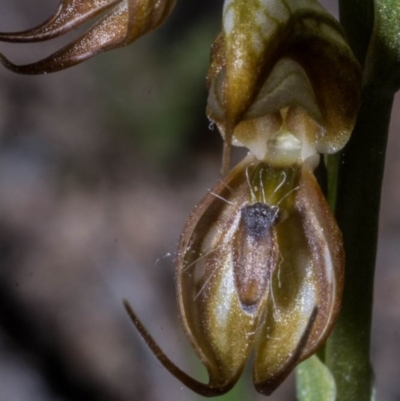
(99, 167)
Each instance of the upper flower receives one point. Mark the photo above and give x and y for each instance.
(117, 24)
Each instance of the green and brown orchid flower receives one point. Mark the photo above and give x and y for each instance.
(260, 263)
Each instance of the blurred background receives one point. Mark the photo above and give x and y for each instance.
(99, 167)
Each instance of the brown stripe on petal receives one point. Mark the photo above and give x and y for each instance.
(325, 241)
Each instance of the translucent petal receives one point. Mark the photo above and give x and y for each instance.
(220, 330)
(306, 291)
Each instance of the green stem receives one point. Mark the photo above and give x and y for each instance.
(342, 353)
(362, 164)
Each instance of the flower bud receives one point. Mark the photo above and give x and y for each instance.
(122, 22)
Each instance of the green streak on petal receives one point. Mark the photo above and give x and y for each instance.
(332, 167)
(314, 382)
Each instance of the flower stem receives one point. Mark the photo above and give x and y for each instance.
(358, 201)
(357, 210)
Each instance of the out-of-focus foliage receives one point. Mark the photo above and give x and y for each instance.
(314, 382)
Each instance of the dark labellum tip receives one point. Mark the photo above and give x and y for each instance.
(259, 218)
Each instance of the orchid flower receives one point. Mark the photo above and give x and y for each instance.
(260, 263)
